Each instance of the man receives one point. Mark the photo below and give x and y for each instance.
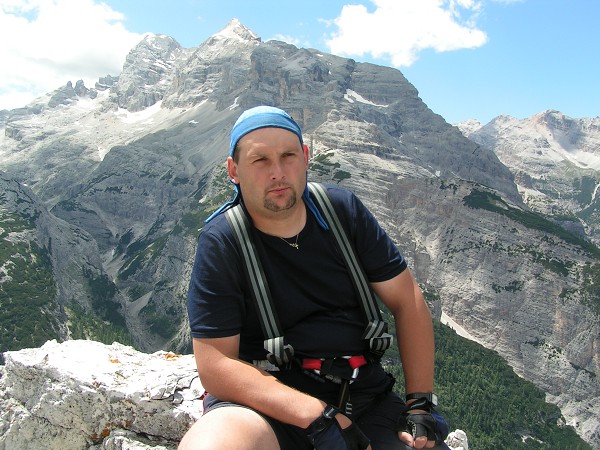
(292, 406)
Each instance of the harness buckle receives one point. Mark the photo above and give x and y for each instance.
(265, 364)
(336, 370)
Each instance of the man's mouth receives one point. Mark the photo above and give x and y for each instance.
(278, 190)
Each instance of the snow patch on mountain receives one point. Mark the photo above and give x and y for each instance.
(134, 117)
(461, 331)
(352, 96)
(234, 105)
(82, 123)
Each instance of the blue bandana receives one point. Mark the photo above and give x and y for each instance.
(265, 117)
(262, 117)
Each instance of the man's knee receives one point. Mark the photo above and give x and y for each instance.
(230, 427)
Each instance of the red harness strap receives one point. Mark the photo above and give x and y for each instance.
(315, 364)
(344, 378)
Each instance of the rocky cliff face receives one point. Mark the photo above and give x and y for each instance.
(139, 178)
(50, 272)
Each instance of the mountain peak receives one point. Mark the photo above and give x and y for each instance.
(549, 114)
(236, 30)
(469, 126)
(159, 39)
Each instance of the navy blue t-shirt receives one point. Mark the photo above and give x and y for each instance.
(315, 300)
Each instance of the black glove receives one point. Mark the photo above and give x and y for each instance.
(430, 424)
(325, 433)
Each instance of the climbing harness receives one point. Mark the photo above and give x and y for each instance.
(280, 354)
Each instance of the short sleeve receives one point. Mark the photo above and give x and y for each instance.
(215, 295)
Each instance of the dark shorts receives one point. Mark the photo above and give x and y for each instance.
(375, 407)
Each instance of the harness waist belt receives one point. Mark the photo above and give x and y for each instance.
(315, 364)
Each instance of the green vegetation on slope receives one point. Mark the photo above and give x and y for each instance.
(27, 290)
(480, 394)
(85, 325)
(28, 304)
(492, 202)
(591, 286)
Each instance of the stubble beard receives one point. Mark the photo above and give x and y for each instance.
(273, 206)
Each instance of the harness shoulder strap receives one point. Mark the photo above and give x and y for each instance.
(376, 331)
(278, 352)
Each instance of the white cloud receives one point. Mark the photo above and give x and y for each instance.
(398, 30)
(46, 43)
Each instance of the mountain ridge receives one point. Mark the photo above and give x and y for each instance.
(555, 160)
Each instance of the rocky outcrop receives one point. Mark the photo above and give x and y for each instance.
(147, 72)
(106, 82)
(84, 395)
(458, 440)
(68, 94)
(218, 70)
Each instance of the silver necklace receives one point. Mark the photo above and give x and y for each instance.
(295, 244)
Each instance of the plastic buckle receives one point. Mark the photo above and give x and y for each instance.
(326, 368)
(354, 372)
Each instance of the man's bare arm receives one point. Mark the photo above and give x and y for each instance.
(230, 379)
(414, 329)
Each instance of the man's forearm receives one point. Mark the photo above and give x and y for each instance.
(414, 331)
(230, 379)
(416, 345)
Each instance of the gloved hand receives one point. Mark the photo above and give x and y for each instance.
(420, 419)
(325, 433)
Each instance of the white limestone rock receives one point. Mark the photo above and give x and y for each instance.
(80, 394)
(458, 440)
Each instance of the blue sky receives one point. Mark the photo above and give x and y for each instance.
(469, 59)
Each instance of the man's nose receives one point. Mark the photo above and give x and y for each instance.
(277, 170)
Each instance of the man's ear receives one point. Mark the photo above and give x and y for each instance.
(306, 153)
(232, 170)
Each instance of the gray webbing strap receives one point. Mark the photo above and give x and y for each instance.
(278, 352)
(376, 332)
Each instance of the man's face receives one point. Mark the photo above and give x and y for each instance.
(270, 170)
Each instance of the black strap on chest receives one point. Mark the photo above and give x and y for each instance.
(278, 351)
(376, 332)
